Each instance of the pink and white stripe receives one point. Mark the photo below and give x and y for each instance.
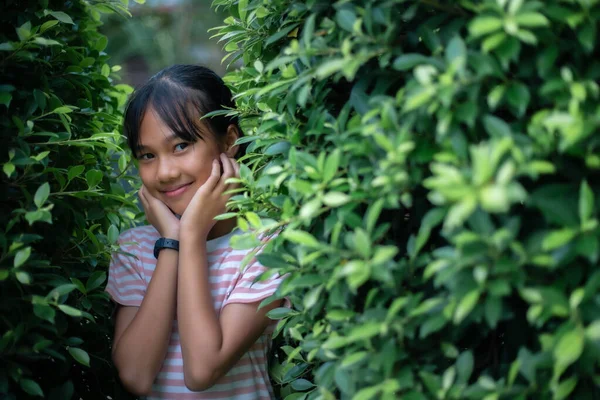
(128, 280)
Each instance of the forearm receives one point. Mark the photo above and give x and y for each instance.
(140, 351)
(199, 328)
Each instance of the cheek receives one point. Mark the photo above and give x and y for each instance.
(146, 175)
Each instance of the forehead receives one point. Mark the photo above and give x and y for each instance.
(154, 131)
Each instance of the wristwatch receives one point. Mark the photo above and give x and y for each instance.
(164, 243)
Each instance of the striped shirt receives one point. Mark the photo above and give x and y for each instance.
(128, 281)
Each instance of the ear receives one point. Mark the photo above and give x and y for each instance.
(231, 136)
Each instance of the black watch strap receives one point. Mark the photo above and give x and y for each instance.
(164, 243)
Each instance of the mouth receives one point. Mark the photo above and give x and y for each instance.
(175, 190)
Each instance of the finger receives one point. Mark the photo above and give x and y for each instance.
(142, 195)
(227, 171)
(214, 177)
(236, 174)
(236, 167)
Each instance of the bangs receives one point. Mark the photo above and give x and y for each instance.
(180, 109)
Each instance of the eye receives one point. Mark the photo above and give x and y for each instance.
(146, 156)
(181, 146)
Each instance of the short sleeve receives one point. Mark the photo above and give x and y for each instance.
(126, 284)
(248, 289)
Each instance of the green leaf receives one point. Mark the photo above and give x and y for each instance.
(242, 9)
(346, 19)
(362, 243)
(331, 165)
(46, 42)
(311, 298)
(495, 96)
(493, 310)
(330, 67)
(586, 202)
(276, 36)
(95, 280)
(433, 218)
(44, 312)
(364, 331)
(47, 25)
(302, 385)
(279, 313)
(518, 96)
(432, 325)
(5, 99)
(336, 199)
(113, 234)
(564, 389)
(75, 171)
(567, 351)
(39, 215)
(531, 20)
(31, 387)
(24, 31)
(496, 127)
(81, 356)
(61, 290)
(300, 237)
(8, 169)
(557, 239)
(101, 43)
(466, 305)
(483, 25)
(464, 366)
(41, 195)
(22, 256)
(456, 52)
(62, 110)
(278, 148)
(73, 312)
(493, 41)
(62, 17)
(93, 177)
(6, 46)
(409, 61)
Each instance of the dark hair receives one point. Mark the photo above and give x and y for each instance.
(180, 95)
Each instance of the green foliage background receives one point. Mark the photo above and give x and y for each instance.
(435, 168)
(62, 199)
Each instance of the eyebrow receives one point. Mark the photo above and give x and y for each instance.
(168, 139)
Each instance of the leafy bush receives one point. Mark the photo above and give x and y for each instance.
(435, 165)
(62, 204)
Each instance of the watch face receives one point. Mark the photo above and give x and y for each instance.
(164, 243)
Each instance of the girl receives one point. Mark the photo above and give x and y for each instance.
(187, 324)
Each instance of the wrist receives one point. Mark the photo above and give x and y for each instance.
(170, 235)
(193, 234)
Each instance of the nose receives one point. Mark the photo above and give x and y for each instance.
(167, 170)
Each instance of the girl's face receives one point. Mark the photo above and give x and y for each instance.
(171, 168)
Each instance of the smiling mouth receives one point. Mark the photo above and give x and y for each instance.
(176, 191)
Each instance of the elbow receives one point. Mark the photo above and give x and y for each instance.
(199, 379)
(135, 383)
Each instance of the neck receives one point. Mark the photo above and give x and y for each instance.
(222, 228)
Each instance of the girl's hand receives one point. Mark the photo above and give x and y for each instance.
(210, 200)
(159, 215)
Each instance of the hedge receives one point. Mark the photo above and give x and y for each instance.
(62, 199)
(434, 168)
